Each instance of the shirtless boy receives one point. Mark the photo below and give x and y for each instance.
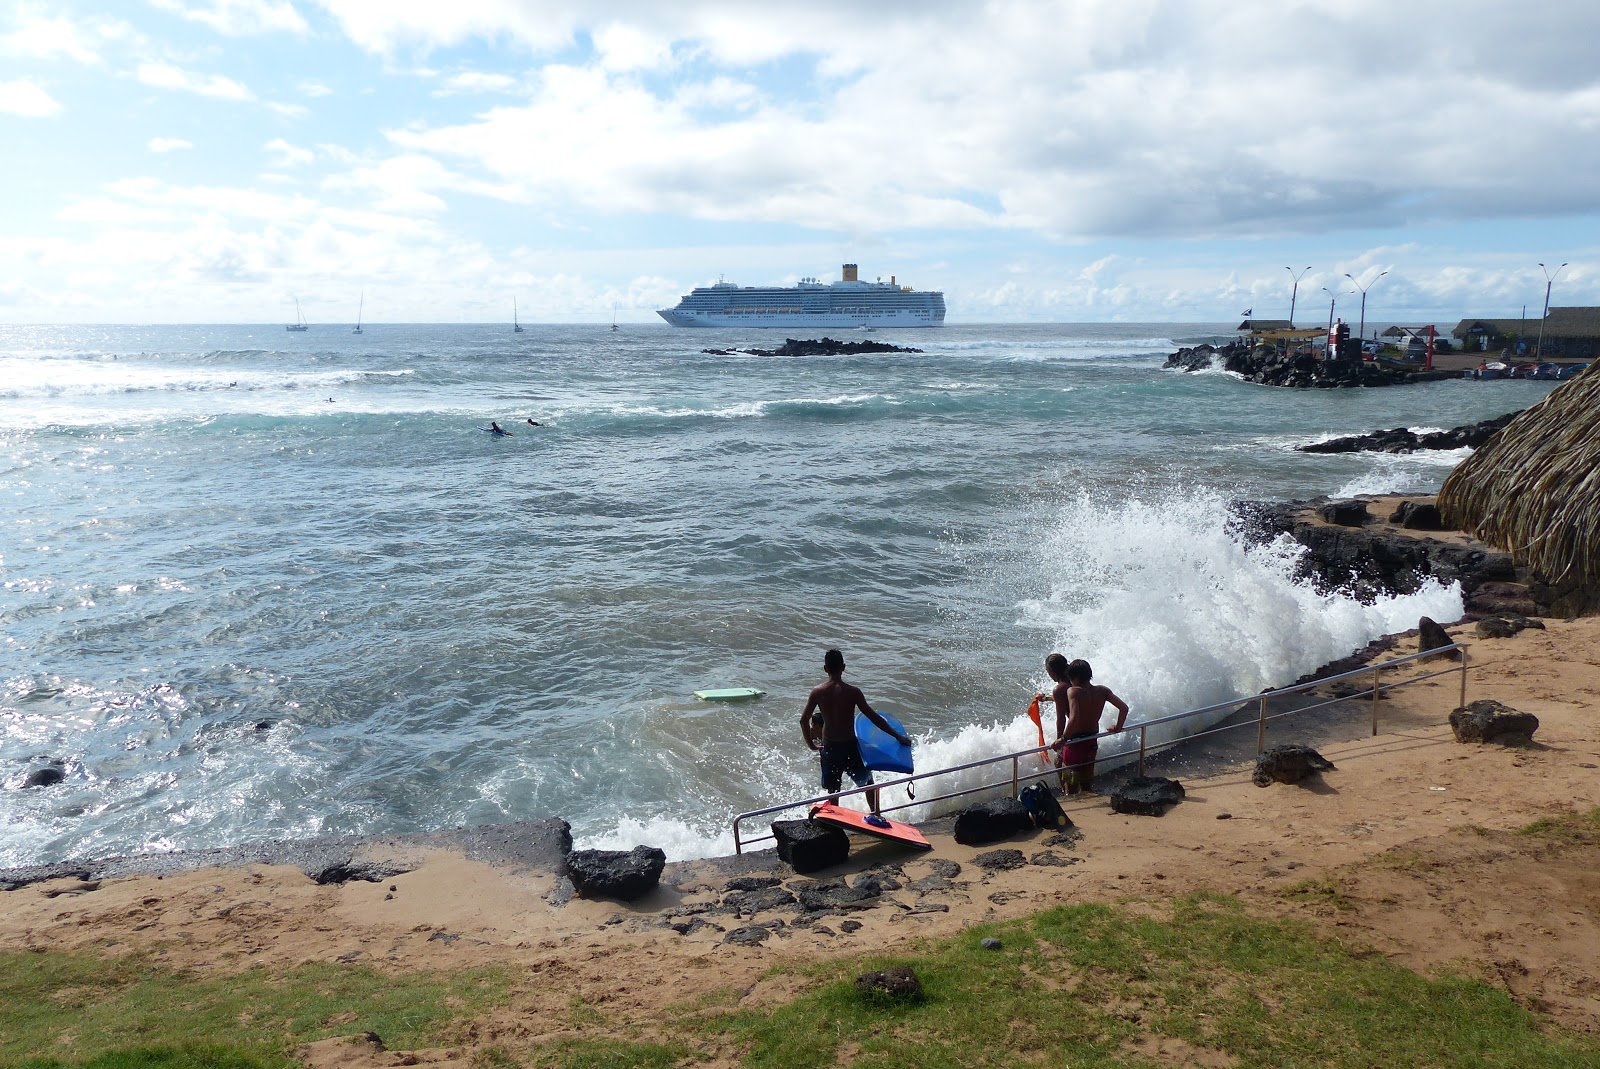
(1079, 704)
(830, 710)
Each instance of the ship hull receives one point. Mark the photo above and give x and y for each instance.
(803, 320)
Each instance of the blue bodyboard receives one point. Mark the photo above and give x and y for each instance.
(881, 751)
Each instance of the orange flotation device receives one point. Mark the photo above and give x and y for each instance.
(1033, 714)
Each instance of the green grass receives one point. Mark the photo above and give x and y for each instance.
(1570, 828)
(1082, 985)
(124, 1013)
(1078, 986)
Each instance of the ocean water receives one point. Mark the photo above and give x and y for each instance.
(263, 584)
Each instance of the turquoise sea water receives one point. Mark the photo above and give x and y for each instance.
(264, 584)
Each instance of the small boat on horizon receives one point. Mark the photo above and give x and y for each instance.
(299, 323)
(359, 307)
(516, 328)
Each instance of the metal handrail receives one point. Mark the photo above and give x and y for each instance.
(1018, 777)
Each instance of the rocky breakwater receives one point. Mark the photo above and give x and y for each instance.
(1405, 440)
(1373, 547)
(1272, 367)
(817, 347)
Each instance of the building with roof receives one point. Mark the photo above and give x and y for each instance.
(1569, 333)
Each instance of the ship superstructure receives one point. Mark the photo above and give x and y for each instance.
(847, 303)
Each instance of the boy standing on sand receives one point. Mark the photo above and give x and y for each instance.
(831, 708)
(1079, 704)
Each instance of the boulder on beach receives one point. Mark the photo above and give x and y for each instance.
(896, 984)
(1348, 513)
(1488, 721)
(1504, 625)
(623, 874)
(991, 821)
(1147, 796)
(1288, 764)
(1417, 516)
(1431, 635)
(809, 845)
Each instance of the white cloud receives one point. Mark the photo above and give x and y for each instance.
(240, 18)
(288, 111)
(476, 82)
(288, 155)
(313, 88)
(1077, 120)
(24, 97)
(50, 38)
(166, 76)
(167, 144)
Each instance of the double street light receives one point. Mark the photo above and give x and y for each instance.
(1549, 279)
(1361, 334)
(1294, 292)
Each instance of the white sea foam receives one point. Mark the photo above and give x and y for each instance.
(1403, 473)
(1173, 613)
(744, 410)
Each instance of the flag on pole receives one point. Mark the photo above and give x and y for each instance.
(1248, 312)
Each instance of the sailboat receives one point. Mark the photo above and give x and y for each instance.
(613, 315)
(516, 328)
(298, 324)
(359, 307)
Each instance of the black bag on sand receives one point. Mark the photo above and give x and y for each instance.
(1042, 806)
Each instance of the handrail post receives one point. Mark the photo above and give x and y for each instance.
(1261, 727)
(1377, 673)
(1141, 750)
(1015, 772)
(738, 844)
(1463, 704)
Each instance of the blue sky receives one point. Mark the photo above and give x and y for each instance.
(1084, 160)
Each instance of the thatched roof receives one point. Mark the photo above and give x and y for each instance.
(1534, 488)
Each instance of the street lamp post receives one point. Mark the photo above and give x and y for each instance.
(1362, 330)
(1549, 279)
(1294, 292)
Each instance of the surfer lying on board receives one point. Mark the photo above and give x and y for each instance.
(1079, 703)
(497, 430)
(831, 708)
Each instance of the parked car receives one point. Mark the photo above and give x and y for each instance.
(1546, 371)
(1569, 370)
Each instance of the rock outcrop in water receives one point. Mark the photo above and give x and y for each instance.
(1405, 440)
(1374, 560)
(1272, 367)
(817, 347)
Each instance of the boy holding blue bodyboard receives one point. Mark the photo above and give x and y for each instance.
(828, 724)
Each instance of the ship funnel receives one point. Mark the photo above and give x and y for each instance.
(850, 273)
(891, 280)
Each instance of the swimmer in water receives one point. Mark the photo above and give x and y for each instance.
(535, 423)
(496, 429)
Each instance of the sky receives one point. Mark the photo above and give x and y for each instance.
(213, 161)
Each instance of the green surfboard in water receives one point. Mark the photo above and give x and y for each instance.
(729, 694)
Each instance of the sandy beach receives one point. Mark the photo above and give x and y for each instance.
(1410, 847)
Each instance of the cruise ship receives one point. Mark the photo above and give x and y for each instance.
(847, 303)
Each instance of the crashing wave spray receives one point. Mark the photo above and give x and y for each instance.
(1174, 614)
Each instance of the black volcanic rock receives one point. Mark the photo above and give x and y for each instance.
(1367, 562)
(1269, 366)
(817, 347)
(1405, 440)
(1487, 721)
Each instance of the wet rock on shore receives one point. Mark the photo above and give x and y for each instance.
(1405, 440)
